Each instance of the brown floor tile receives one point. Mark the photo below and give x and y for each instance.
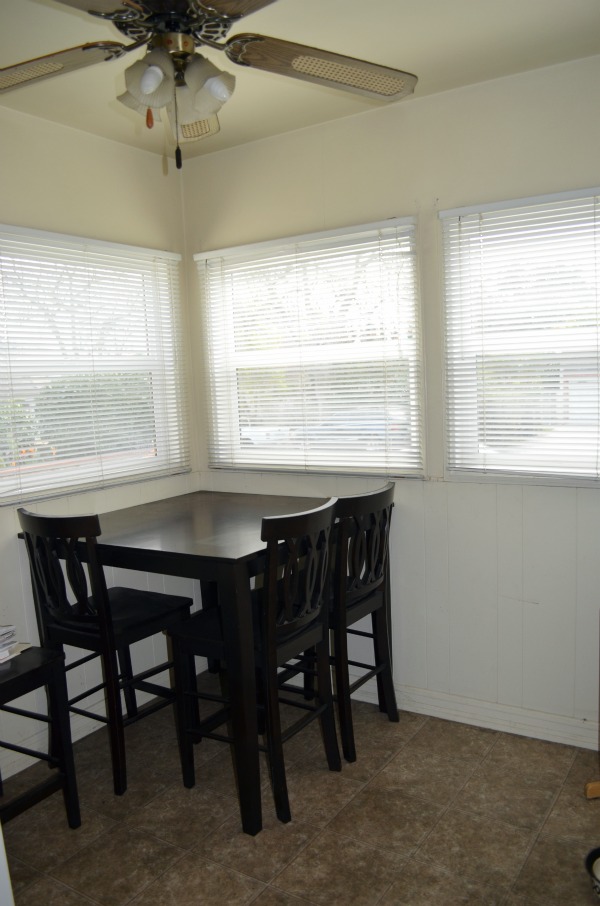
(183, 817)
(574, 816)
(317, 794)
(193, 881)
(47, 892)
(453, 740)
(512, 798)
(425, 885)
(338, 870)
(466, 844)
(371, 726)
(387, 819)
(263, 856)
(273, 897)
(42, 838)
(585, 768)
(546, 762)
(428, 775)
(554, 874)
(123, 863)
(21, 874)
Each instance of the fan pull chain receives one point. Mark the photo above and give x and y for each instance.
(178, 160)
(149, 118)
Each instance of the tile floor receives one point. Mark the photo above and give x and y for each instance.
(432, 812)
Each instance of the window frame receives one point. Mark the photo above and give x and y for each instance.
(503, 473)
(293, 251)
(53, 330)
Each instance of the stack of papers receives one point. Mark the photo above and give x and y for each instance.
(9, 647)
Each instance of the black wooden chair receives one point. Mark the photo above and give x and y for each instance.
(290, 608)
(33, 669)
(104, 621)
(361, 588)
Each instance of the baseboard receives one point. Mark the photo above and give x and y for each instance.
(493, 716)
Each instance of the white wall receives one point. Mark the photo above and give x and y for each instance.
(495, 586)
(495, 602)
(62, 180)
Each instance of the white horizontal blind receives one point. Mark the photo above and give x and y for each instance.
(91, 388)
(314, 353)
(523, 337)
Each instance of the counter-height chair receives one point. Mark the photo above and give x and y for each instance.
(63, 559)
(290, 599)
(361, 588)
(33, 669)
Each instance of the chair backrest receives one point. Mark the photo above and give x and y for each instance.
(56, 546)
(296, 577)
(362, 534)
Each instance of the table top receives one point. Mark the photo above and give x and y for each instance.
(204, 524)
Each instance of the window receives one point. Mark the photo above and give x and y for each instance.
(523, 337)
(90, 372)
(313, 347)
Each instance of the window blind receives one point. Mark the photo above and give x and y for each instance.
(314, 352)
(523, 337)
(91, 389)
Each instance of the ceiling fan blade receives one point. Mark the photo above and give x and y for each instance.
(233, 9)
(321, 66)
(57, 63)
(104, 6)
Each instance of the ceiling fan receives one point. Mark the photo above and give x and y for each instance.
(173, 76)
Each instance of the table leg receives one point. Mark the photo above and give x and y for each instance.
(234, 600)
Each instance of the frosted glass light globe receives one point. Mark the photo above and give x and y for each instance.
(151, 79)
(218, 87)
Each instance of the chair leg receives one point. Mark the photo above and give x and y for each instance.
(58, 710)
(115, 721)
(125, 666)
(385, 681)
(342, 688)
(186, 711)
(275, 746)
(309, 659)
(327, 718)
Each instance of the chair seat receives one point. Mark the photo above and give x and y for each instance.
(131, 607)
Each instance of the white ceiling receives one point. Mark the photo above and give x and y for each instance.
(446, 43)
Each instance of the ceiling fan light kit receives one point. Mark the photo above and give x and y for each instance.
(191, 89)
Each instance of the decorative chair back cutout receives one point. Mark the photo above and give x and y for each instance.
(59, 578)
(363, 542)
(296, 585)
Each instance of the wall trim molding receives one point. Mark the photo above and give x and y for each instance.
(493, 716)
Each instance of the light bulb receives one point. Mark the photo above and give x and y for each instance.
(151, 79)
(221, 87)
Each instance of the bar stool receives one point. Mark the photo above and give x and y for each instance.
(30, 670)
(361, 589)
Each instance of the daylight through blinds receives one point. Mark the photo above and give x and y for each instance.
(523, 337)
(91, 390)
(313, 348)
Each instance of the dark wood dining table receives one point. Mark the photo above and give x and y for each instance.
(212, 537)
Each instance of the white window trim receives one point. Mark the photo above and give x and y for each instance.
(332, 353)
(491, 475)
(160, 304)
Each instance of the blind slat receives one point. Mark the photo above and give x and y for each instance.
(313, 351)
(91, 390)
(523, 338)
